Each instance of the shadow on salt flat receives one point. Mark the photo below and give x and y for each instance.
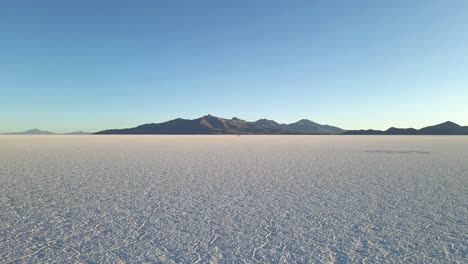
(398, 151)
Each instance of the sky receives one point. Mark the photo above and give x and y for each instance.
(69, 65)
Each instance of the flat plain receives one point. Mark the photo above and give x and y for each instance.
(233, 199)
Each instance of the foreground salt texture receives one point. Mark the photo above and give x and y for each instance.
(276, 199)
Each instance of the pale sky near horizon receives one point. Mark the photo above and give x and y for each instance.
(92, 65)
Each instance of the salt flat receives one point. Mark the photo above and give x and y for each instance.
(230, 199)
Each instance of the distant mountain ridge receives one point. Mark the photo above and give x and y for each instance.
(208, 125)
(44, 132)
(215, 125)
(34, 131)
(446, 128)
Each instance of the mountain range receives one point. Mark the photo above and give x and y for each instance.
(215, 125)
(446, 128)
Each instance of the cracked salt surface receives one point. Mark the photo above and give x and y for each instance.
(229, 199)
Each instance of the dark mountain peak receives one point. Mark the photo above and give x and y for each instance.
(304, 122)
(446, 128)
(309, 127)
(266, 122)
(236, 119)
(210, 118)
(213, 123)
(448, 124)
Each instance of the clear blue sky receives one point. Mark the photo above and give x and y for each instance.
(70, 65)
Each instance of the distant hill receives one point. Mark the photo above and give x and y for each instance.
(215, 125)
(307, 126)
(44, 132)
(446, 128)
(32, 132)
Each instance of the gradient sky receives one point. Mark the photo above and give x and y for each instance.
(69, 65)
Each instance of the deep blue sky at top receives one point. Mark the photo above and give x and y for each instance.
(89, 65)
